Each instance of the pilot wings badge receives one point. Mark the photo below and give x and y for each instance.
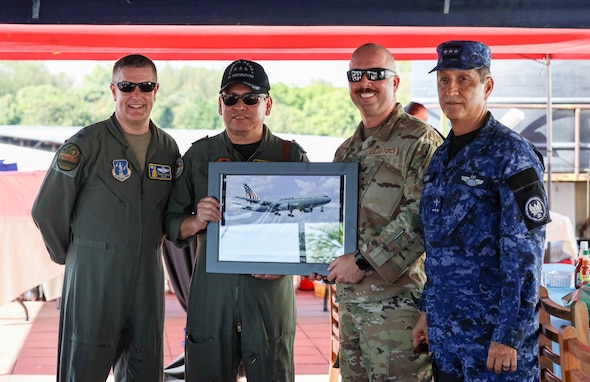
(472, 180)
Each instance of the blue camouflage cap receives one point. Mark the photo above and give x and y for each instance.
(462, 55)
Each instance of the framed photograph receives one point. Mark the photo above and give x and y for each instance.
(284, 218)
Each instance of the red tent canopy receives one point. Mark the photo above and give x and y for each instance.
(201, 42)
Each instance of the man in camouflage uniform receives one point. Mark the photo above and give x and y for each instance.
(233, 318)
(379, 286)
(484, 210)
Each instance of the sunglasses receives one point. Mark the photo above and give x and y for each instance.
(373, 74)
(249, 98)
(128, 87)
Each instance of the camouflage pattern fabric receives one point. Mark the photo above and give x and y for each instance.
(462, 55)
(383, 330)
(484, 213)
(393, 161)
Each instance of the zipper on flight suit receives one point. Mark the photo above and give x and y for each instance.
(236, 298)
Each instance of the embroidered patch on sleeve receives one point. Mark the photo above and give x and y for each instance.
(530, 197)
(68, 157)
(179, 168)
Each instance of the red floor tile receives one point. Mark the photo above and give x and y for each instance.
(29, 348)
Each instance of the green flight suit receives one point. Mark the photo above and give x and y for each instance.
(231, 316)
(102, 217)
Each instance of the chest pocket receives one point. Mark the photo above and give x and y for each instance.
(454, 213)
(381, 187)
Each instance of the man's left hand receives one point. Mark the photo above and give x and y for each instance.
(501, 358)
(344, 270)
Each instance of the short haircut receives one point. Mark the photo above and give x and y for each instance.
(484, 72)
(135, 61)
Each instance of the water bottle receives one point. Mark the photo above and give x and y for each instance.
(577, 272)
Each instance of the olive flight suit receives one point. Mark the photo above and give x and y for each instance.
(102, 217)
(232, 317)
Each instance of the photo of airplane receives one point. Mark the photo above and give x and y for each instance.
(304, 203)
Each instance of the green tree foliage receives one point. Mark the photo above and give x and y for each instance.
(325, 242)
(187, 99)
(317, 109)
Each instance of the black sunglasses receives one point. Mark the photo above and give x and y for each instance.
(373, 74)
(128, 87)
(249, 98)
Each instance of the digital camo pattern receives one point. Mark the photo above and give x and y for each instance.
(484, 250)
(462, 55)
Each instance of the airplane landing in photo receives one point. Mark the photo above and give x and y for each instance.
(303, 204)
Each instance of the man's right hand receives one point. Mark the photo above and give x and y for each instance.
(420, 331)
(208, 210)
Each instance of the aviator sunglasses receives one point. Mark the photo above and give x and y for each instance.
(128, 87)
(249, 98)
(373, 74)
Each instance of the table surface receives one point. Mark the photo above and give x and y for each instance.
(24, 261)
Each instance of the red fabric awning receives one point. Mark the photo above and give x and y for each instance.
(200, 42)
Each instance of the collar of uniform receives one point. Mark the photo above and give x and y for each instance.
(384, 130)
(117, 131)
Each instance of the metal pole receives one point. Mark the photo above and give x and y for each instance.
(549, 129)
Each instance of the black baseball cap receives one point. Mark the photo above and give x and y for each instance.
(248, 73)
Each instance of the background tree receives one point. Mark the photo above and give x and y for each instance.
(187, 99)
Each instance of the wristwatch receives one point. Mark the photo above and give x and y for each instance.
(360, 261)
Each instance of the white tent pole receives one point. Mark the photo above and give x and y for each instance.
(549, 129)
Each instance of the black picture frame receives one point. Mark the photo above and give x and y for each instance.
(277, 219)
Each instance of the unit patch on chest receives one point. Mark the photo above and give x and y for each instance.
(121, 170)
(160, 171)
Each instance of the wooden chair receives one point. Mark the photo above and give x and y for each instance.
(576, 315)
(575, 355)
(334, 372)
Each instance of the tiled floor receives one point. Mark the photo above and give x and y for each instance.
(28, 348)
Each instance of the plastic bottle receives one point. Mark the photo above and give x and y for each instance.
(585, 269)
(583, 247)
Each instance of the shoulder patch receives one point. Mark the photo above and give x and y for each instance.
(179, 165)
(68, 157)
(530, 197)
(535, 210)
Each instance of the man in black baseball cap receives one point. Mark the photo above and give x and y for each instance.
(248, 73)
(233, 318)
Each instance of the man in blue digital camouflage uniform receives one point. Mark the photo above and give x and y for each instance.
(100, 211)
(484, 210)
(233, 318)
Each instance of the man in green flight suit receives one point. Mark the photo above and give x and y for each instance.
(233, 318)
(100, 211)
